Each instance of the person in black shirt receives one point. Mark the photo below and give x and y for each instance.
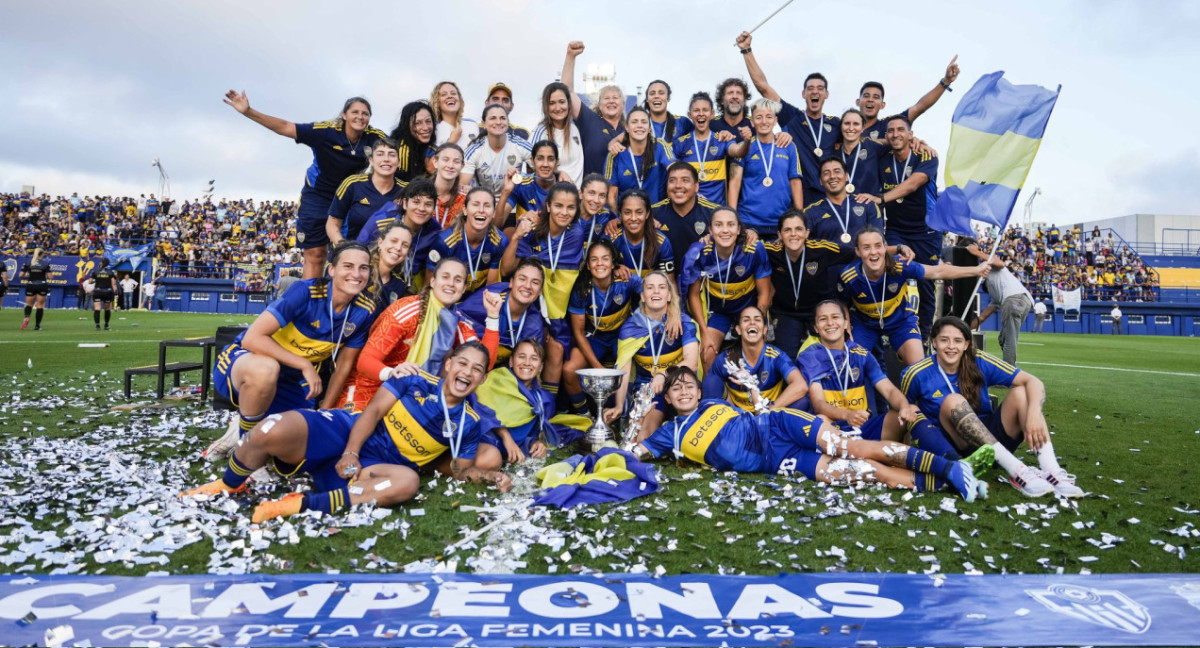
(34, 274)
(104, 292)
(683, 215)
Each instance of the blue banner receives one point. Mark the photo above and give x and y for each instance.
(64, 270)
(603, 610)
(133, 258)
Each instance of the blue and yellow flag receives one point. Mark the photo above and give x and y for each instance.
(434, 338)
(994, 136)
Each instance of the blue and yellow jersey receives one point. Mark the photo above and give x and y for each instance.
(391, 288)
(844, 382)
(479, 259)
(631, 255)
(717, 434)
(624, 171)
(334, 157)
(759, 206)
(593, 228)
(879, 304)
(521, 408)
(306, 328)
(809, 135)
(827, 221)
(727, 285)
(862, 166)
(531, 326)
(683, 126)
(413, 268)
(925, 386)
(605, 311)
(686, 230)
(878, 130)
(417, 425)
(561, 256)
(527, 196)
(772, 369)
(152, 206)
(645, 343)
(909, 214)
(357, 199)
(712, 170)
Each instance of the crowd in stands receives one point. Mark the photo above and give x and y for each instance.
(1100, 263)
(197, 238)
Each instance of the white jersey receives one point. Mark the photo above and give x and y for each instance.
(470, 128)
(570, 159)
(489, 167)
(1002, 284)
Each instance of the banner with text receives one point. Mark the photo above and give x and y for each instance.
(64, 270)
(603, 610)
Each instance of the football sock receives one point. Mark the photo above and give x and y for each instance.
(922, 461)
(1007, 461)
(932, 483)
(236, 473)
(38, 320)
(1046, 459)
(329, 502)
(247, 423)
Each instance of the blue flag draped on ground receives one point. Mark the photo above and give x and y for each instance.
(994, 136)
(610, 475)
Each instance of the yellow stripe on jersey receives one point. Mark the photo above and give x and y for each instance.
(667, 360)
(410, 438)
(713, 170)
(698, 436)
(345, 186)
(315, 351)
(854, 398)
(814, 244)
(732, 290)
(912, 371)
(741, 398)
(612, 322)
(705, 202)
(997, 362)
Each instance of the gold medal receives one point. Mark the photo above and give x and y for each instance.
(850, 188)
(899, 200)
(846, 237)
(818, 152)
(767, 182)
(517, 179)
(703, 176)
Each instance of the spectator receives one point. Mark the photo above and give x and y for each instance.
(147, 295)
(1115, 314)
(1039, 315)
(128, 289)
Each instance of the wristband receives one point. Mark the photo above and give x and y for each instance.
(350, 453)
(384, 374)
(747, 50)
(942, 82)
(492, 324)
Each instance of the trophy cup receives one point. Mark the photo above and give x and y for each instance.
(599, 384)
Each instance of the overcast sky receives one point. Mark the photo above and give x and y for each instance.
(92, 92)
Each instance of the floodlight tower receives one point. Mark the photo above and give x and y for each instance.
(1037, 191)
(164, 180)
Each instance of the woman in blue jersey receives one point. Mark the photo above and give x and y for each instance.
(522, 408)
(274, 365)
(841, 376)
(473, 239)
(414, 135)
(876, 289)
(641, 247)
(643, 165)
(519, 318)
(527, 194)
(723, 277)
(714, 433)
(859, 155)
(594, 215)
(779, 382)
(951, 388)
(409, 427)
(667, 127)
(341, 148)
(766, 181)
(360, 196)
(600, 304)
(557, 240)
(387, 257)
(656, 337)
(707, 151)
(416, 210)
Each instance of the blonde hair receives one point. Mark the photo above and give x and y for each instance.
(674, 311)
(437, 105)
(763, 102)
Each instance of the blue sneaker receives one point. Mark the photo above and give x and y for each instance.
(964, 480)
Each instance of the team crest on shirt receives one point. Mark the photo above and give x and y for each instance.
(854, 373)
(392, 296)
(860, 210)
(862, 153)
(699, 227)
(893, 287)
(740, 270)
(905, 172)
(449, 428)
(762, 376)
(712, 150)
(348, 328)
(619, 299)
(367, 151)
(874, 135)
(300, 236)
(828, 127)
(811, 268)
(487, 257)
(434, 256)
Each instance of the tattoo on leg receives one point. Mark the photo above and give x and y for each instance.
(969, 427)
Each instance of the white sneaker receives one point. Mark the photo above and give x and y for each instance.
(1063, 482)
(1030, 482)
(220, 449)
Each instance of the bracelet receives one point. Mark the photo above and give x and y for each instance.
(942, 82)
(747, 50)
(350, 453)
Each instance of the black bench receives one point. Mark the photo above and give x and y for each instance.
(174, 368)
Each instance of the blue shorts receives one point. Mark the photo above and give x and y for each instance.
(803, 461)
(898, 332)
(872, 430)
(994, 423)
(604, 345)
(791, 446)
(290, 390)
(560, 330)
(719, 321)
(519, 434)
(311, 214)
(328, 432)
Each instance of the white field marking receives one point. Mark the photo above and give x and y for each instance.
(1031, 343)
(43, 341)
(1146, 371)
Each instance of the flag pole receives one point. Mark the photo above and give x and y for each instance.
(979, 281)
(781, 7)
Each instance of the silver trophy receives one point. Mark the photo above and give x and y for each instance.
(599, 384)
(741, 373)
(642, 402)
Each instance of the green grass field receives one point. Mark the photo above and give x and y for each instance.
(89, 489)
